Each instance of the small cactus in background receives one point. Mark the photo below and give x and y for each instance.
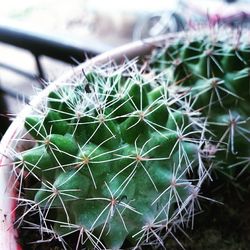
(120, 154)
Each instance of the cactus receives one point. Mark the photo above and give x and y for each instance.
(120, 154)
(215, 67)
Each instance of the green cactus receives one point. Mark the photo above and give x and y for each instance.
(215, 68)
(121, 155)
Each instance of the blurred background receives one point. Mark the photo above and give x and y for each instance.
(40, 40)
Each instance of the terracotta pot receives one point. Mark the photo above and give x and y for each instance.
(8, 234)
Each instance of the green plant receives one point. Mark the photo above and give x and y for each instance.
(120, 154)
(215, 68)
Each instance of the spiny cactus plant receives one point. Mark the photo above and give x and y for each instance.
(121, 153)
(112, 160)
(215, 67)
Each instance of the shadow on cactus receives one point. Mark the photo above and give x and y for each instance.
(121, 152)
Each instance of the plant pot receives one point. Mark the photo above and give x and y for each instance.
(8, 233)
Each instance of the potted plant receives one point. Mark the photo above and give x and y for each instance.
(115, 156)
